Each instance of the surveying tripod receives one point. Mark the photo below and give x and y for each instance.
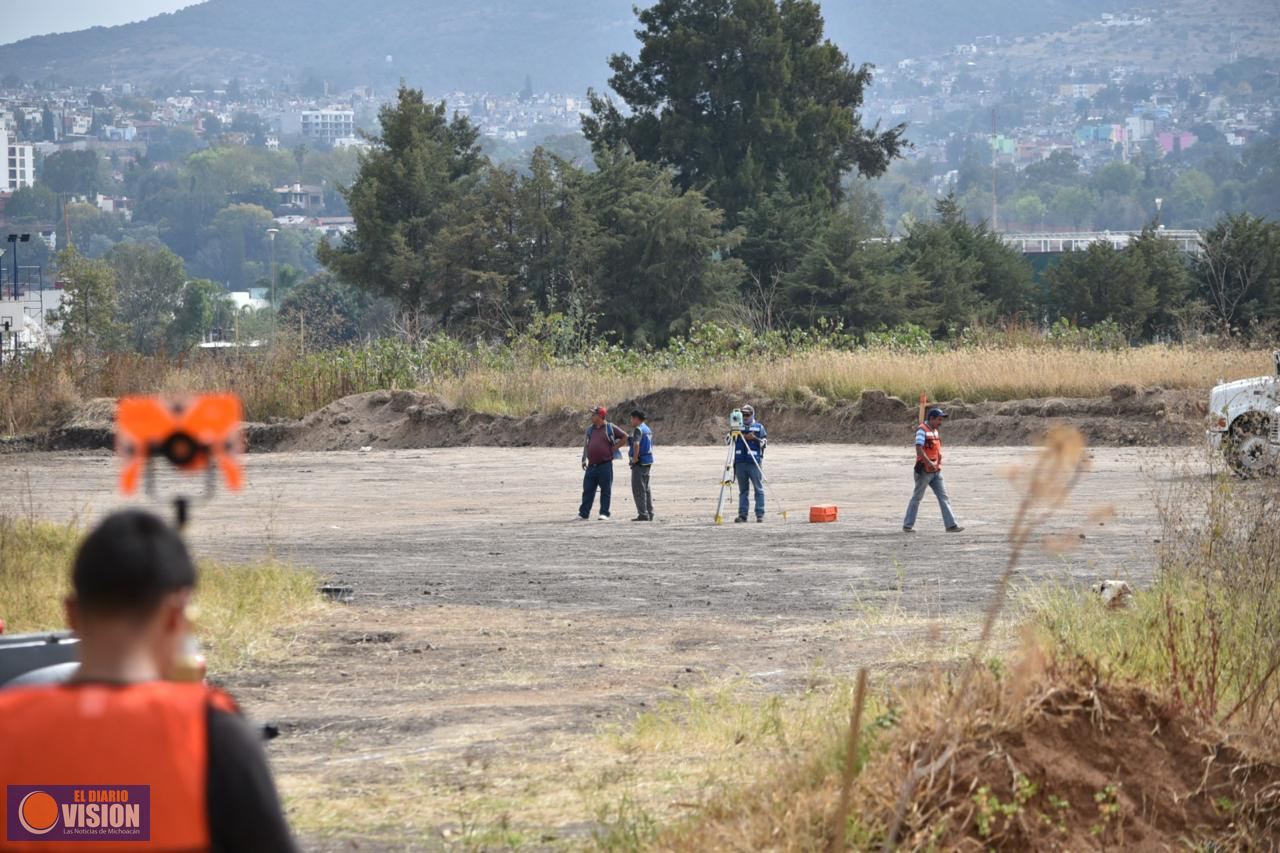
(727, 479)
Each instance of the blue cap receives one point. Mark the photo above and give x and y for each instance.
(935, 413)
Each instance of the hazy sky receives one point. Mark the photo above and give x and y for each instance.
(60, 16)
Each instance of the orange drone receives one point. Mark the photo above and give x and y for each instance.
(195, 434)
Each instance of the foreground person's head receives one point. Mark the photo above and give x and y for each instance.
(132, 582)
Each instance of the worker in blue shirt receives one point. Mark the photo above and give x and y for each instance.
(748, 463)
(641, 459)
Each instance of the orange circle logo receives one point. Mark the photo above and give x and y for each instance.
(38, 812)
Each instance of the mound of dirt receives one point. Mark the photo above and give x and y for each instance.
(89, 425)
(406, 419)
(1128, 416)
(1096, 767)
(1058, 760)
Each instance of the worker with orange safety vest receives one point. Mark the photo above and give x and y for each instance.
(928, 473)
(120, 756)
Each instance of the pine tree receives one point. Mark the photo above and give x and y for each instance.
(743, 97)
(410, 188)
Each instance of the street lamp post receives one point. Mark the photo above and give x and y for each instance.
(15, 239)
(1159, 205)
(271, 234)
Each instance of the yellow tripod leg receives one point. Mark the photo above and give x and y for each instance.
(725, 479)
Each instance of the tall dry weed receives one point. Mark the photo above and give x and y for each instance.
(282, 382)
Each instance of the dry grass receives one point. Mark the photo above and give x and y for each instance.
(281, 384)
(250, 614)
(1204, 631)
(968, 759)
(1030, 762)
(972, 374)
(246, 613)
(615, 789)
(583, 785)
(35, 571)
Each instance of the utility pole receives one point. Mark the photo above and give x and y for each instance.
(995, 207)
(15, 239)
(271, 234)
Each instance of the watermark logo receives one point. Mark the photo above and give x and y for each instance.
(79, 812)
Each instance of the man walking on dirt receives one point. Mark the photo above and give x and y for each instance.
(604, 443)
(641, 457)
(748, 462)
(928, 473)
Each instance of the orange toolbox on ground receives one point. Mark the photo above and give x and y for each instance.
(823, 514)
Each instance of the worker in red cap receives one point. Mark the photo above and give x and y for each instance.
(604, 444)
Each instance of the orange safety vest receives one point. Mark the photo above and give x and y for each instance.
(97, 744)
(932, 446)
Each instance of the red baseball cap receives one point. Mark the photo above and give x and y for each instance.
(601, 411)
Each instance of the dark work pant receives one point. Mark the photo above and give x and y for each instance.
(750, 476)
(600, 476)
(640, 491)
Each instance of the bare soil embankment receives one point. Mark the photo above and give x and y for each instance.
(387, 420)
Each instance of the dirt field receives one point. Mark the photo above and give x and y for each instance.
(493, 637)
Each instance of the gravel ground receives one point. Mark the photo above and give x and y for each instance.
(493, 635)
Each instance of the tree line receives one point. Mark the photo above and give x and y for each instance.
(733, 183)
(491, 247)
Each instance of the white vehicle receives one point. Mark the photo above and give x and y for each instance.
(1244, 425)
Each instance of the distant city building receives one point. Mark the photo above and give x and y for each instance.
(1112, 20)
(1080, 90)
(301, 196)
(328, 125)
(119, 134)
(1175, 142)
(1139, 128)
(20, 164)
(114, 204)
(352, 142)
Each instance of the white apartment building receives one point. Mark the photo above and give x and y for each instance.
(19, 168)
(328, 125)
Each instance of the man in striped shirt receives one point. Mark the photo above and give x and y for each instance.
(929, 473)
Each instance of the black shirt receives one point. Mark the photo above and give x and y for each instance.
(244, 810)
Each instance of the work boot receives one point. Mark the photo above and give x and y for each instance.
(759, 519)
(740, 519)
(908, 530)
(639, 518)
(955, 529)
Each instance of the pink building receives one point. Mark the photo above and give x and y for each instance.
(1171, 142)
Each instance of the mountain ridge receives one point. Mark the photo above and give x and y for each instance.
(488, 44)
